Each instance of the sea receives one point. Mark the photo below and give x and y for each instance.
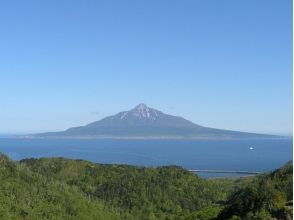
(254, 155)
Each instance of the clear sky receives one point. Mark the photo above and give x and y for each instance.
(224, 64)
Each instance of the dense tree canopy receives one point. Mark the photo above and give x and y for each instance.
(58, 188)
(268, 196)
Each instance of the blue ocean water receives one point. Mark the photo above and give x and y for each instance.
(191, 154)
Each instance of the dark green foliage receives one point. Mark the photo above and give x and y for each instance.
(164, 192)
(59, 188)
(28, 195)
(266, 197)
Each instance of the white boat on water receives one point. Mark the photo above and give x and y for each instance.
(251, 148)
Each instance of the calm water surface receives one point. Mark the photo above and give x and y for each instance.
(191, 154)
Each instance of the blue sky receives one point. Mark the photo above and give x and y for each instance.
(224, 64)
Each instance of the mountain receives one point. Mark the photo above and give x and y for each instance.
(145, 122)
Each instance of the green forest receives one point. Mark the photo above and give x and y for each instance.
(58, 188)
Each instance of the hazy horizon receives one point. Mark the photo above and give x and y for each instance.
(32, 132)
(221, 64)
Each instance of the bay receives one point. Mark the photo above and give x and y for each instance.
(265, 156)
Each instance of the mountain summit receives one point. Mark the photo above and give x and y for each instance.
(145, 122)
(140, 112)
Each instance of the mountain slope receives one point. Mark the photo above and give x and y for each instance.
(28, 195)
(145, 122)
(268, 196)
(58, 188)
(168, 192)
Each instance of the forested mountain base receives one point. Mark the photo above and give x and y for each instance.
(59, 188)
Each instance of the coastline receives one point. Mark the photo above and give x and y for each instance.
(152, 137)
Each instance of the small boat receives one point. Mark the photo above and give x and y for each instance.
(251, 148)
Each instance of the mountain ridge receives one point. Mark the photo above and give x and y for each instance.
(143, 122)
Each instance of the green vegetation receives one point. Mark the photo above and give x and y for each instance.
(146, 193)
(59, 188)
(268, 196)
(28, 195)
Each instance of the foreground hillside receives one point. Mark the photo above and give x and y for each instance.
(267, 196)
(58, 188)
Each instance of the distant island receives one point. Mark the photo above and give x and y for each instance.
(143, 122)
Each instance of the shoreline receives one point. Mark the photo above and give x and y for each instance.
(146, 138)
